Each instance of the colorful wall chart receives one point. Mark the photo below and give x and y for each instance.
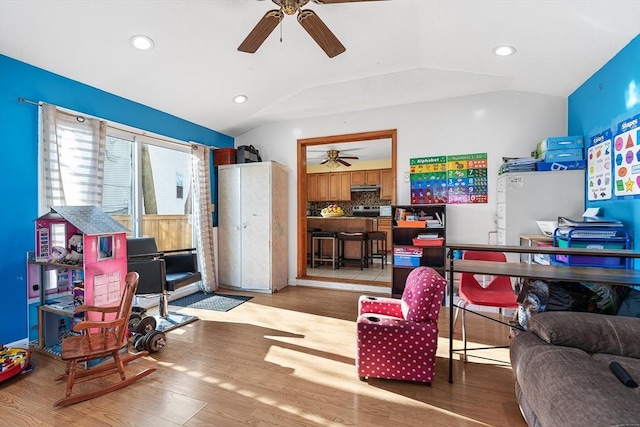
(626, 160)
(599, 167)
(449, 179)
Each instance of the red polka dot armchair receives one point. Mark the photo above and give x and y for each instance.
(398, 338)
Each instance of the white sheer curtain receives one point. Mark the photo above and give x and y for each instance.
(71, 155)
(202, 215)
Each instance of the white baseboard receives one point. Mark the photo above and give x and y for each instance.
(340, 286)
(23, 343)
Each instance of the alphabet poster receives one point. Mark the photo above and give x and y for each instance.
(626, 160)
(599, 167)
(449, 179)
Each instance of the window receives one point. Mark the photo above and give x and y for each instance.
(140, 175)
(142, 181)
(179, 186)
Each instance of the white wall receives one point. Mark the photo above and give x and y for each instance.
(500, 123)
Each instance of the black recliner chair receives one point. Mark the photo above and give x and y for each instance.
(161, 272)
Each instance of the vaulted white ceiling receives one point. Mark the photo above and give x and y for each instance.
(398, 52)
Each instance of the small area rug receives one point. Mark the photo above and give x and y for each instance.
(216, 302)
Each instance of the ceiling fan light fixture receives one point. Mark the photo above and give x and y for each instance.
(240, 99)
(332, 164)
(289, 7)
(504, 50)
(141, 42)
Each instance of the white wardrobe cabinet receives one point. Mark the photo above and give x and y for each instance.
(252, 226)
(526, 197)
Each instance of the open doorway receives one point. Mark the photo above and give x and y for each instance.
(355, 140)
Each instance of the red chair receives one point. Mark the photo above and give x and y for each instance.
(398, 338)
(498, 293)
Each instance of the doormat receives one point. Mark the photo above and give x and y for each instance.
(215, 302)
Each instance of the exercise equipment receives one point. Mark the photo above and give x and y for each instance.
(145, 337)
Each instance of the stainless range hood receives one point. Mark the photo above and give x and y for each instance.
(360, 188)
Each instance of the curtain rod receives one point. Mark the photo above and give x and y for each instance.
(27, 101)
(127, 128)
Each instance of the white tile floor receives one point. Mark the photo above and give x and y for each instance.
(372, 273)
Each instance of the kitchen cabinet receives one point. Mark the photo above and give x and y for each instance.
(387, 179)
(431, 221)
(252, 226)
(323, 187)
(312, 187)
(330, 186)
(339, 186)
(384, 224)
(366, 177)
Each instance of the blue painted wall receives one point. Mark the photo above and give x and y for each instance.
(610, 96)
(19, 142)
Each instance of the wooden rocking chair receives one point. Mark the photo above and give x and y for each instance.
(100, 339)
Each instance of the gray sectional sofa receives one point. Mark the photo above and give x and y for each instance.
(561, 367)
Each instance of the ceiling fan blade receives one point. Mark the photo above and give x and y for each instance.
(324, 161)
(261, 31)
(320, 33)
(339, 1)
(343, 162)
(349, 157)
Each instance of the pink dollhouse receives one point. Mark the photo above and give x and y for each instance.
(89, 246)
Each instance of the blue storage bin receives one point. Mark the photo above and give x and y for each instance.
(586, 237)
(406, 260)
(562, 143)
(561, 166)
(563, 155)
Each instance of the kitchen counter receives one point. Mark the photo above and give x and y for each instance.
(350, 224)
(342, 217)
(342, 223)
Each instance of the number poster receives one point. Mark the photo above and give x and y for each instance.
(599, 167)
(626, 158)
(453, 179)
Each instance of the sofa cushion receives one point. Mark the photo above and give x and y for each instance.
(631, 365)
(565, 386)
(591, 332)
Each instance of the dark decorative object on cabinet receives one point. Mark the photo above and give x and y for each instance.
(248, 154)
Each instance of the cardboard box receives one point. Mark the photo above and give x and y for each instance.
(407, 250)
(563, 155)
(561, 143)
(224, 156)
(561, 166)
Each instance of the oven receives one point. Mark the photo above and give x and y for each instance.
(366, 211)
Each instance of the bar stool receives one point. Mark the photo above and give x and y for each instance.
(374, 238)
(320, 237)
(310, 246)
(343, 237)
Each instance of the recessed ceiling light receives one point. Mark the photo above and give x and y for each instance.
(141, 42)
(504, 50)
(240, 99)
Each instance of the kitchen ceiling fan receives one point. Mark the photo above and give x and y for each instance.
(307, 18)
(334, 157)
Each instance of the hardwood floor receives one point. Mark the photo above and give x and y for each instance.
(285, 359)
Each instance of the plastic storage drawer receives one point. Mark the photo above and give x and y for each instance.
(619, 239)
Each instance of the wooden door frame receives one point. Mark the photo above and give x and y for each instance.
(391, 134)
